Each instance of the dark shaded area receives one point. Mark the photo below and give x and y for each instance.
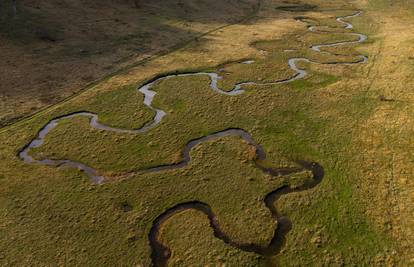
(385, 99)
(297, 8)
(67, 44)
(125, 206)
(91, 18)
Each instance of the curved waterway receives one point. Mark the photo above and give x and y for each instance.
(159, 114)
(260, 153)
(161, 253)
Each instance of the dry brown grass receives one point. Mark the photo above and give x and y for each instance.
(185, 250)
(92, 39)
(385, 138)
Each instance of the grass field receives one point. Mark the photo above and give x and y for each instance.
(355, 120)
(51, 50)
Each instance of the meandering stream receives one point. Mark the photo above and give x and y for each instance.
(160, 252)
(159, 114)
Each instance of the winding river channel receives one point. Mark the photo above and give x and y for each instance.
(160, 253)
